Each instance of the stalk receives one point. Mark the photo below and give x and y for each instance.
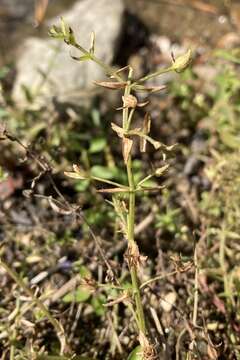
(108, 69)
(132, 243)
(131, 219)
(178, 65)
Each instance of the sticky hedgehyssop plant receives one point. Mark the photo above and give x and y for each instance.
(123, 197)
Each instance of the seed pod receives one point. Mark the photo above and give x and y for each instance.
(126, 148)
(118, 130)
(58, 207)
(160, 171)
(145, 130)
(77, 173)
(182, 62)
(111, 84)
(129, 101)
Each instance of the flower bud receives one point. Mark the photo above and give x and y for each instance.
(160, 171)
(182, 62)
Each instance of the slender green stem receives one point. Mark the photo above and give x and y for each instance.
(131, 214)
(130, 119)
(154, 143)
(150, 76)
(131, 240)
(45, 75)
(108, 69)
(131, 218)
(109, 182)
(125, 109)
(157, 278)
(145, 179)
(12, 352)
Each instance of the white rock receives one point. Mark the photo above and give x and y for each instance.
(68, 80)
(168, 301)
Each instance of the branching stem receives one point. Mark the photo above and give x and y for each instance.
(153, 75)
(107, 69)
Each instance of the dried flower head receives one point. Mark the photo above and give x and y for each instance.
(182, 62)
(129, 101)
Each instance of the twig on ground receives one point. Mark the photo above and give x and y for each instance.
(196, 288)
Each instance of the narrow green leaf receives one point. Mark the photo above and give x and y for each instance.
(229, 139)
(36, 129)
(84, 272)
(97, 304)
(136, 354)
(97, 145)
(81, 58)
(55, 32)
(227, 55)
(81, 185)
(103, 172)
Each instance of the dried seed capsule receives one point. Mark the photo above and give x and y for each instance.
(129, 101)
(182, 62)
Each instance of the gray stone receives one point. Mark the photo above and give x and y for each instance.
(67, 79)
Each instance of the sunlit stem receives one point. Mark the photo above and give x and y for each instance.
(109, 182)
(107, 69)
(145, 179)
(153, 75)
(130, 119)
(155, 143)
(131, 218)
